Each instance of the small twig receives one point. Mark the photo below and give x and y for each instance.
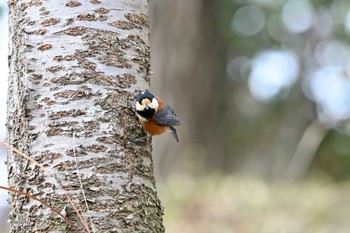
(51, 175)
(42, 202)
(25, 156)
(81, 186)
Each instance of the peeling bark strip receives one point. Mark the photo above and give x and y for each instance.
(75, 67)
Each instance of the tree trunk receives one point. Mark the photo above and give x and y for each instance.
(75, 68)
(190, 55)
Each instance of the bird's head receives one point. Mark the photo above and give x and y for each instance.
(146, 105)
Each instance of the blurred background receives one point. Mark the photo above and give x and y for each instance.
(263, 90)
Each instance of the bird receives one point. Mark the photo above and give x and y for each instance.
(155, 116)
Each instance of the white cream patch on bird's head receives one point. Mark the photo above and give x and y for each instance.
(140, 107)
(154, 104)
(146, 102)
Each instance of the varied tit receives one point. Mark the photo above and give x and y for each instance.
(155, 116)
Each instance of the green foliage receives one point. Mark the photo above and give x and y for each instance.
(333, 156)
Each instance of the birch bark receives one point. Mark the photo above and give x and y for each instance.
(75, 67)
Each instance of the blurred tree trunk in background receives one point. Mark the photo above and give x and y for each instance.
(270, 139)
(188, 58)
(74, 71)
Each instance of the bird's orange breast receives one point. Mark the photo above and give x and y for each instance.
(153, 128)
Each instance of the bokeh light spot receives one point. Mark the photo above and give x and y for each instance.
(297, 16)
(330, 88)
(248, 20)
(271, 72)
(332, 53)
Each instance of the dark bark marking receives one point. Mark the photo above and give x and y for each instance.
(92, 17)
(102, 10)
(73, 94)
(47, 156)
(45, 47)
(50, 22)
(75, 31)
(141, 19)
(95, 1)
(125, 25)
(40, 32)
(54, 69)
(85, 150)
(73, 4)
(70, 113)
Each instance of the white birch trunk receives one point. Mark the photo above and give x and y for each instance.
(75, 67)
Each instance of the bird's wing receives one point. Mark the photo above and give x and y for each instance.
(166, 117)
